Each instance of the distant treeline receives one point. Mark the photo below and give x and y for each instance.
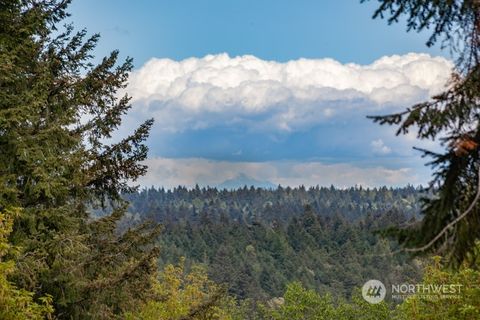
(248, 204)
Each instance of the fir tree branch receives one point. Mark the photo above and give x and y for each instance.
(451, 224)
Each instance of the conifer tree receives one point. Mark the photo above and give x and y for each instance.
(57, 113)
(451, 222)
(16, 304)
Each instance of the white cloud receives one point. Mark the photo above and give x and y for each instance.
(379, 147)
(170, 173)
(217, 90)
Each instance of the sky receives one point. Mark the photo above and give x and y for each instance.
(277, 91)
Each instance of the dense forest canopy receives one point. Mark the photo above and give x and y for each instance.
(281, 203)
(256, 241)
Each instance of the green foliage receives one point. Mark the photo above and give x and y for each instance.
(181, 295)
(452, 118)
(464, 305)
(360, 309)
(16, 304)
(257, 241)
(57, 113)
(299, 303)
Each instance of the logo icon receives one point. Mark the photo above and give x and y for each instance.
(374, 291)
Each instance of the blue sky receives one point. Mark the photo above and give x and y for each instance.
(275, 90)
(278, 30)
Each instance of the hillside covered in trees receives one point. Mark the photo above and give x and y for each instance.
(256, 241)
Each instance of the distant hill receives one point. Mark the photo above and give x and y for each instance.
(243, 180)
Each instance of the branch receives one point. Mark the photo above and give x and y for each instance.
(451, 224)
(441, 233)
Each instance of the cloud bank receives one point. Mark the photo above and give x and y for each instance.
(218, 90)
(290, 123)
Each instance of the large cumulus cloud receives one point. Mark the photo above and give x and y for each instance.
(218, 90)
(290, 123)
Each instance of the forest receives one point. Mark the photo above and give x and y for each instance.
(80, 240)
(256, 241)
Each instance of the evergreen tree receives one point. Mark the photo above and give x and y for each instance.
(16, 304)
(57, 112)
(452, 218)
